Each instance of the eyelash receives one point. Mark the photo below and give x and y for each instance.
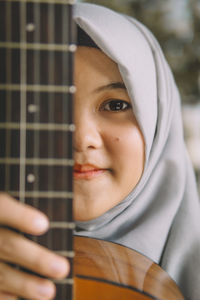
(121, 105)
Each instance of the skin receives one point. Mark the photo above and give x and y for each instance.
(107, 135)
(109, 160)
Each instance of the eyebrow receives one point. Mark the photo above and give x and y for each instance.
(111, 86)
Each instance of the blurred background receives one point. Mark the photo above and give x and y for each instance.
(176, 24)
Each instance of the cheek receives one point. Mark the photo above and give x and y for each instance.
(127, 154)
(127, 143)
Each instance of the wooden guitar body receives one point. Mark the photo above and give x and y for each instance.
(108, 271)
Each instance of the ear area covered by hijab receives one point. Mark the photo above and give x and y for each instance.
(161, 217)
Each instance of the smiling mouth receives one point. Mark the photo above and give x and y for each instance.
(87, 171)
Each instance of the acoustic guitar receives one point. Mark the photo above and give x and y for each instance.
(37, 46)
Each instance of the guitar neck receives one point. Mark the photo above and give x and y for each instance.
(36, 115)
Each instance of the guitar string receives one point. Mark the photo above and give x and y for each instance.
(36, 102)
(23, 104)
(64, 80)
(70, 39)
(51, 108)
(23, 81)
(8, 104)
(65, 98)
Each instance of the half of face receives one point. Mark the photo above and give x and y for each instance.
(109, 146)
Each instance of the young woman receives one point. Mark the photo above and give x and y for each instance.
(133, 181)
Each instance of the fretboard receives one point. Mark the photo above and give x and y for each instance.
(37, 45)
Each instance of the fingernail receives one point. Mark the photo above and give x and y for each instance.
(60, 267)
(41, 224)
(46, 290)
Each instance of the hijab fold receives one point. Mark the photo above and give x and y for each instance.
(161, 217)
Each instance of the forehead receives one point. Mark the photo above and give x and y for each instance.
(93, 62)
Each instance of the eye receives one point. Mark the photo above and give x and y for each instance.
(115, 105)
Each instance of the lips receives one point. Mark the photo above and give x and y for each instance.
(87, 171)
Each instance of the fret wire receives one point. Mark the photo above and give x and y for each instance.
(38, 161)
(43, 194)
(22, 100)
(39, 46)
(38, 126)
(69, 254)
(66, 2)
(62, 225)
(38, 88)
(8, 94)
(69, 281)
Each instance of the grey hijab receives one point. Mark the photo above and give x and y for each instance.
(161, 217)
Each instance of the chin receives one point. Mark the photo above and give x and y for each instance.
(86, 212)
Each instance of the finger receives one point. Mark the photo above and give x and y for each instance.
(21, 216)
(24, 285)
(5, 296)
(15, 248)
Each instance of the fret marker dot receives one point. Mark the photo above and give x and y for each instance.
(72, 89)
(31, 178)
(32, 108)
(30, 27)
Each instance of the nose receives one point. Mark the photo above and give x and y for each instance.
(87, 134)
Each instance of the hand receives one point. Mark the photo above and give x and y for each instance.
(15, 248)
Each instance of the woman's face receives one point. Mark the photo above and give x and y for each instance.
(109, 146)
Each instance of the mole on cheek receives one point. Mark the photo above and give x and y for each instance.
(117, 139)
